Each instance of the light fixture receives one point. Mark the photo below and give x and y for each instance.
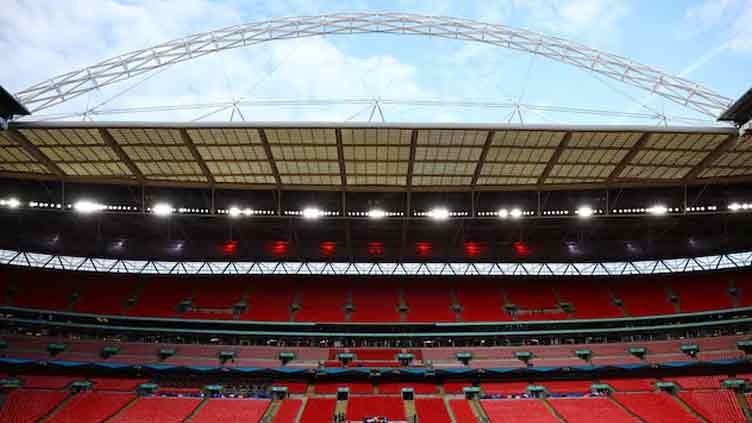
(234, 212)
(162, 209)
(439, 214)
(735, 206)
(585, 212)
(11, 203)
(376, 214)
(503, 213)
(312, 213)
(88, 207)
(516, 213)
(658, 210)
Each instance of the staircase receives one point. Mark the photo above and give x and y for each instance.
(742, 400)
(341, 407)
(689, 409)
(478, 410)
(57, 408)
(196, 410)
(448, 406)
(626, 410)
(128, 405)
(553, 411)
(302, 407)
(404, 308)
(271, 411)
(410, 411)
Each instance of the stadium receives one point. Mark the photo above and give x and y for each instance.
(342, 271)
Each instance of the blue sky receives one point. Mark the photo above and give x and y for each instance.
(708, 41)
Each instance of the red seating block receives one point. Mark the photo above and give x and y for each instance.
(158, 409)
(481, 301)
(27, 406)
(591, 299)
(432, 410)
(655, 407)
(701, 293)
(718, 406)
(160, 298)
(270, 300)
(518, 411)
(287, 411)
(643, 299)
(429, 301)
(231, 410)
(462, 411)
(360, 407)
(318, 410)
(91, 407)
(323, 302)
(375, 301)
(590, 410)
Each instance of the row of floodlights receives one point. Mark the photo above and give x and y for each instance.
(165, 209)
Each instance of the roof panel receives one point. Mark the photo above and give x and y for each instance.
(301, 136)
(385, 137)
(451, 137)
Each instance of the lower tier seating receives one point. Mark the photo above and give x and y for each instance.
(27, 406)
(518, 411)
(231, 410)
(716, 406)
(655, 407)
(288, 411)
(590, 410)
(360, 407)
(432, 410)
(318, 410)
(91, 407)
(158, 409)
(462, 411)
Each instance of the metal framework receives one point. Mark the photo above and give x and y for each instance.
(67, 86)
(617, 268)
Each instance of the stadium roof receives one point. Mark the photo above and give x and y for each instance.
(377, 157)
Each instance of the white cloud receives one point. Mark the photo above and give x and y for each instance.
(732, 19)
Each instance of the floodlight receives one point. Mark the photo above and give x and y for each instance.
(503, 213)
(88, 207)
(312, 213)
(735, 206)
(516, 213)
(658, 210)
(162, 209)
(376, 214)
(234, 212)
(439, 214)
(585, 212)
(11, 203)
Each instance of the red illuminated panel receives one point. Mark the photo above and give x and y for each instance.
(423, 249)
(278, 248)
(229, 248)
(375, 248)
(521, 249)
(475, 249)
(327, 248)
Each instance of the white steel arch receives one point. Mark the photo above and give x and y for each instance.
(67, 86)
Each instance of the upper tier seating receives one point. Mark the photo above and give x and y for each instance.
(429, 301)
(324, 302)
(631, 384)
(432, 410)
(700, 293)
(270, 300)
(462, 411)
(592, 299)
(360, 407)
(534, 301)
(643, 299)
(288, 411)
(219, 296)
(318, 410)
(518, 411)
(696, 382)
(48, 381)
(481, 301)
(231, 410)
(375, 301)
(655, 407)
(590, 410)
(160, 298)
(354, 387)
(158, 409)
(91, 407)
(104, 298)
(396, 388)
(28, 406)
(116, 383)
(718, 406)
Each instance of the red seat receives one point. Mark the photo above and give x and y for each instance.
(28, 406)
(91, 407)
(231, 410)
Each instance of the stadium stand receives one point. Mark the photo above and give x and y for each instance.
(481, 302)
(360, 407)
(270, 300)
(355, 388)
(462, 411)
(160, 298)
(28, 406)
(518, 411)
(288, 411)
(419, 387)
(323, 302)
(697, 293)
(230, 410)
(643, 299)
(718, 406)
(318, 410)
(429, 301)
(655, 407)
(92, 407)
(103, 298)
(158, 409)
(375, 301)
(591, 299)
(432, 410)
(590, 410)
